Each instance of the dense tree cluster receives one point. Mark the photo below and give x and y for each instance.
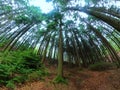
(78, 33)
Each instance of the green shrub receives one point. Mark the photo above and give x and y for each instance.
(19, 67)
(100, 66)
(5, 73)
(32, 62)
(37, 75)
(20, 79)
(10, 85)
(34, 76)
(60, 79)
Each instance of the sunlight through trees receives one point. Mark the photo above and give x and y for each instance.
(79, 32)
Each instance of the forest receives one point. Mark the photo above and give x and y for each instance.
(75, 46)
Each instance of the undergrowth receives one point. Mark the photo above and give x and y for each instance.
(59, 79)
(19, 67)
(101, 66)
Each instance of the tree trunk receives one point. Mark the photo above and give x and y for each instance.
(60, 53)
(45, 51)
(115, 23)
(107, 44)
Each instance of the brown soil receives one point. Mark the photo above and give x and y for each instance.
(77, 80)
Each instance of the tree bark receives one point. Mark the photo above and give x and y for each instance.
(60, 52)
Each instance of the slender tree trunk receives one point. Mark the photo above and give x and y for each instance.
(107, 44)
(18, 35)
(45, 51)
(60, 53)
(104, 10)
(115, 23)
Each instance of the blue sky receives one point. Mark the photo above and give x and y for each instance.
(45, 6)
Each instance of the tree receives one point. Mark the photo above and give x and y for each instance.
(84, 34)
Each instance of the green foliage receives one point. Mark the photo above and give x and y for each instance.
(32, 61)
(22, 19)
(33, 14)
(60, 79)
(52, 25)
(22, 2)
(5, 73)
(10, 85)
(19, 67)
(3, 42)
(7, 8)
(36, 75)
(20, 78)
(101, 66)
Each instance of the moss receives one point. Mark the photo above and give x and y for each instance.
(60, 79)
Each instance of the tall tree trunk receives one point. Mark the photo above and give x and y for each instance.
(107, 44)
(60, 52)
(45, 51)
(115, 23)
(104, 10)
(18, 35)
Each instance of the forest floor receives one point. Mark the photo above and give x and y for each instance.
(77, 80)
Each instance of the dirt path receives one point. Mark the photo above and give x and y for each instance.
(78, 80)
